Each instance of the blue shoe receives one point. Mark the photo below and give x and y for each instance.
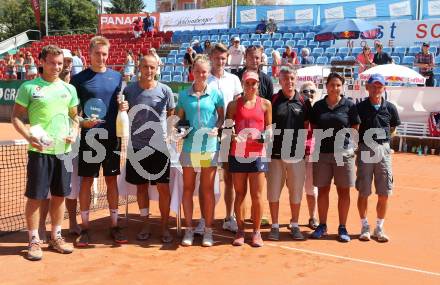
(343, 234)
(320, 231)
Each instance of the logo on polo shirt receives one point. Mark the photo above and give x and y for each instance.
(37, 94)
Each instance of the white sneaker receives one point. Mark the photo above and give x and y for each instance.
(207, 238)
(365, 233)
(230, 225)
(188, 238)
(380, 235)
(200, 229)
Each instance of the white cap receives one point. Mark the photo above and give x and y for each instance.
(67, 53)
(235, 39)
(195, 41)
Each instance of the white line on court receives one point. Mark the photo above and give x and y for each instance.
(404, 268)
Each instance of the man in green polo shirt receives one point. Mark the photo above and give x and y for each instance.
(50, 104)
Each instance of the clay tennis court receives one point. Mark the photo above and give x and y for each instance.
(411, 257)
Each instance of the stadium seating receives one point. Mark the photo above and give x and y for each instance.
(408, 60)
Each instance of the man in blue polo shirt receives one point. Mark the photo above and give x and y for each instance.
(103, 83)
(374, 156)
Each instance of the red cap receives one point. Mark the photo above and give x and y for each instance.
(250, 75)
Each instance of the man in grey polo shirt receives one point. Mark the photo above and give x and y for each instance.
(379, 118)
(148, 162)
(230, 86)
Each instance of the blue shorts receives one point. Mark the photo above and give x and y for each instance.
(252, 165)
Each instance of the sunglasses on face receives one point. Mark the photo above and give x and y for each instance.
(309, 91)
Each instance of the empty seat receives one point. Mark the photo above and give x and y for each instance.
(343, 51)
(276, 36)
(301, 43)
(335, 58)
(255, 37)
(166, 78)
(414, 50)
(298, 36)
(310, 36)
(287, 36)
(290, 43)
(246, 43)
(265, 37)
(317, 51)
(330, 51)
(312, 44)
(244, 37)
(396, 59)
(278, 44)
(224, 38)
(179, 68)
(322, 60)
(408, 60)
(169, 68)
(177, 78)
(267, 44)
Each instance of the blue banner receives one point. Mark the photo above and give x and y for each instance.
(250, 16)
(369, 10)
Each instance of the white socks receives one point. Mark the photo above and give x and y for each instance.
(56, 232)
(379, 223)
(114, 217)
(33, 235)
(364, 222)
(294, 225)
(144, 212)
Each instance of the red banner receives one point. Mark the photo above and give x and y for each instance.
(36, 7)
(120, 23)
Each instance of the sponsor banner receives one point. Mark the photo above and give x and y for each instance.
(250, 16)
(369, 10)
(120, 23)
(404, 33)
(206, 19)
(8, 91)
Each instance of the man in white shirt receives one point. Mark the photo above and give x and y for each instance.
(236, 55)
(230, 86)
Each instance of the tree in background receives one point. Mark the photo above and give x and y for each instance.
(125, 7)
(17, 16)
(222, 3)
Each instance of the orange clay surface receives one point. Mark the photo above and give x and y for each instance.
(411, 257)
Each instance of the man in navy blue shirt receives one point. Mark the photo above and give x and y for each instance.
(374, 157)
(98, 81)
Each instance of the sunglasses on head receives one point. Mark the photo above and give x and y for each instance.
(309, 91)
